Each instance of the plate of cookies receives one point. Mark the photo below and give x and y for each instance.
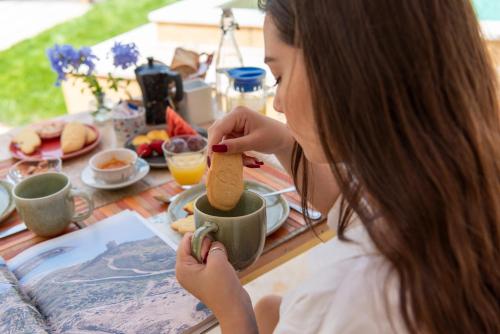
(54, 139)
(180, 211)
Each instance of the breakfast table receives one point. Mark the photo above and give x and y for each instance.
(291, 239)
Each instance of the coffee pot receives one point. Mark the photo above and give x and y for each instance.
(157, 82)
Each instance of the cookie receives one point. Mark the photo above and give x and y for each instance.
(73, 137)
(189, 207)
(91, 136)
(28, 140)
(184, 225)
(225, 180)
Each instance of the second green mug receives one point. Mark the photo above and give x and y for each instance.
(241, 230)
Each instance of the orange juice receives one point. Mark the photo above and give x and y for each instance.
(187, 168)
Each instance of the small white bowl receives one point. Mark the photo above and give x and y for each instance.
(113, 175)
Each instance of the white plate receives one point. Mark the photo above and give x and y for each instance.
(142, 169)
(6, 200)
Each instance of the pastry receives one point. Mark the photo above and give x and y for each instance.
(49, 129)
(189, 208)
(28, 140)
(73, 137)
(184, 225)
(225, 180)
(91, 136)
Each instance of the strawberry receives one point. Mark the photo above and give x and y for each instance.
(144, 150)
(156, 146)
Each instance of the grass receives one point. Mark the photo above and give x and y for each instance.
(27, 92)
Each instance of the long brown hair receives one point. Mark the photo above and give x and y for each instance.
(404, 94)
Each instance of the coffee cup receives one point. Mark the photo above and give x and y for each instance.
(241, 230)
(45, 203)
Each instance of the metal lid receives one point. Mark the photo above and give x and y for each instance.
(151, 68)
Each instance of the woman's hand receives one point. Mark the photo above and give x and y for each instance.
(215, 284)
(246, 130)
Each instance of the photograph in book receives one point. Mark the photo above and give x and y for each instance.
(115, 276)
(17, 315)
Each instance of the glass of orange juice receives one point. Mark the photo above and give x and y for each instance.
(186, 158)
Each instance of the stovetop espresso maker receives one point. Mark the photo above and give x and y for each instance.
(160, 86)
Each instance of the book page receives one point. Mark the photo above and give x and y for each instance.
(115, 276)
(17, 315)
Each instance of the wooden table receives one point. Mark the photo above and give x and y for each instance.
(293, 238)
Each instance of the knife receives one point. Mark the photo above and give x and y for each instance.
(13, 230)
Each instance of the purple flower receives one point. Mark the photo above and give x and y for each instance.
(124, 55)
(62, 58)
(87, 58)
(65, 59)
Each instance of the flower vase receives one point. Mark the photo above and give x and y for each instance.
(101, 113)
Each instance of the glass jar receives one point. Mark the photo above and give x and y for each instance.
(247, 89)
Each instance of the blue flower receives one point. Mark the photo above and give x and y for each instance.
(86, 57)
(62, 59)
(124, 55)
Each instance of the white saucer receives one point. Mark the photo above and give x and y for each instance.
(141, 170)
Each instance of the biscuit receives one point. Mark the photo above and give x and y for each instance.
(225, 180)
(189, 207)
(91, 136)
(28, 140)
(73, 137)
(184, 225)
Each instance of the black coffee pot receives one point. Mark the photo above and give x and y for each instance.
(157, 82)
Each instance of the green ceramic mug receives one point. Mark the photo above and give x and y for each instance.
(242, 230)
(46, 203)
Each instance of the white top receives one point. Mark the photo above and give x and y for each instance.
(346, 293)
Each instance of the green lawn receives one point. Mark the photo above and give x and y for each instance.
(27, 91)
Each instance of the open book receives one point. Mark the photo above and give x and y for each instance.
(116, 276)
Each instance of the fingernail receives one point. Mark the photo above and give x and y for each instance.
(258, 162)
(253, 166)
(220, 148)
(208, 162)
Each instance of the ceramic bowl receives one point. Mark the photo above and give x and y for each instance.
(116, 174)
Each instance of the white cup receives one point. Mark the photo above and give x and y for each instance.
(113, 175)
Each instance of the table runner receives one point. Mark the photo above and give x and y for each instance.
(146, 205)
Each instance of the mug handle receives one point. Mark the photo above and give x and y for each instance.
(90, 205)
(198, 236)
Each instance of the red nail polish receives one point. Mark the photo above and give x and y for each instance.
(253, 166)
(258, 162)
(208, 162)
(220, 148)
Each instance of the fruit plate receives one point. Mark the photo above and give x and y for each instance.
(158, 161)
(51, 148)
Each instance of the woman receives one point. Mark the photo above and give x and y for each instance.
(392, 120)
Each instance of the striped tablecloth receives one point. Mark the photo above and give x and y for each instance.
(144, 203)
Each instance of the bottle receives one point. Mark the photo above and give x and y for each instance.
(228, 57)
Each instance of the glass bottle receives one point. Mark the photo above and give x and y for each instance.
(228, 56)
